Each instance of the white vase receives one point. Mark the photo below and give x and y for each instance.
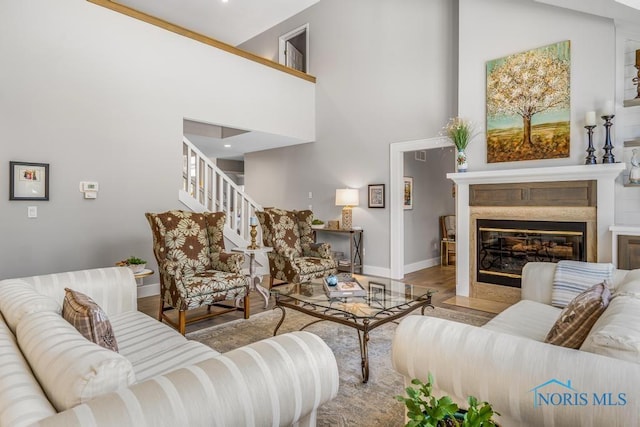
(461, 160)
(634, 173)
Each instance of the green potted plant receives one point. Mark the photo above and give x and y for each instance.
(316, 223)
(134, 263)
(425, 410)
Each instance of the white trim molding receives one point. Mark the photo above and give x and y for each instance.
(396, 172)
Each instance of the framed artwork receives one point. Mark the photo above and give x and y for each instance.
(407, 193)
(528, 104)
(28, 181)
(408, 292)
(377, 291)
(376, 196)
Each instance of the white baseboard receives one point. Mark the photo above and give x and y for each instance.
(409, 268)
(376, 271)
(149, 290)
(420, 265)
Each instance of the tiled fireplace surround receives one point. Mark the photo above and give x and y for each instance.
(599, 221)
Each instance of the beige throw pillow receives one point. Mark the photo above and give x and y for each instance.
(89, 319)
(578, 317)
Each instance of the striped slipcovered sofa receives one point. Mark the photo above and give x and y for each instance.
(50, 375)
(532, 383)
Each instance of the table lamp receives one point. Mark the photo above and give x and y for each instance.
(347, 197)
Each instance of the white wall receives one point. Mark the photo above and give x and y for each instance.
(386, 73)
(512, 26)
(100, 96)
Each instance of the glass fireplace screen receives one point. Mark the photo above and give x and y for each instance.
(505, 246)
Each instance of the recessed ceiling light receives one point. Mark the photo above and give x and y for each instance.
(227, 145)
(225, 1)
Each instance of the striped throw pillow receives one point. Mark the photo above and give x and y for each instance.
(579, 316)
(88, 318)
(573, 277)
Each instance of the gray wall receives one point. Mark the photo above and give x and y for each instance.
(386, 73)
(432, 197)
(512, 26)
(102, 97)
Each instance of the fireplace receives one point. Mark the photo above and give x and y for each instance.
(552, 193)
(505, 246)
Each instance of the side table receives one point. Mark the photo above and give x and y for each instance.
(141, 275)
(254, 279)
(356, 248)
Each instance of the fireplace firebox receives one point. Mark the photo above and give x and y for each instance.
(505, 246)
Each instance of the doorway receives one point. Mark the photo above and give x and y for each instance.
(293, 49)
(396, 172)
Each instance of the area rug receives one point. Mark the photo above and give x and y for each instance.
(357, 404)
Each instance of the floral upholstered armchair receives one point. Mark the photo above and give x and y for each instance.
(194, 269)
(296, 258)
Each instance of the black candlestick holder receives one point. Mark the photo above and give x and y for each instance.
(608, 146)
(590, 159)
(636, 80)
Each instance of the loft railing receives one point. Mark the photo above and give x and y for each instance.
(215, 191)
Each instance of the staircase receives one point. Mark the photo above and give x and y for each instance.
(207, 188)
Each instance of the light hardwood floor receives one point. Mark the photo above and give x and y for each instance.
(441, 279)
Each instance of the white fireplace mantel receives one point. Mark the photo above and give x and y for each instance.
(604, 174)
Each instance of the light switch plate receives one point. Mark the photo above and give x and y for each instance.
(32, 212)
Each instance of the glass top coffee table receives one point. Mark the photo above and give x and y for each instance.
(386, 300)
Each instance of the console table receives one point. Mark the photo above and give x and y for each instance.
(356, 248)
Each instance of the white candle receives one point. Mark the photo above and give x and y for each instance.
(608, 109)
(590, 118)
(253, 220)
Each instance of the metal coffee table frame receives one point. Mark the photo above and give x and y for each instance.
(362, 324)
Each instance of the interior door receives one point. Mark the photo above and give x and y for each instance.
(294, 58)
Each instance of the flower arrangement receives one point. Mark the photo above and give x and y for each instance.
(460, 131)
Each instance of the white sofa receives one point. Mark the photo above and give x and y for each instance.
(50, 375)
(531, 383)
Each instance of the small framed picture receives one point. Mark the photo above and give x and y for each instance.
(407, 194)
(408, 292)
(377, 291)
(28, 181)
(376, 196)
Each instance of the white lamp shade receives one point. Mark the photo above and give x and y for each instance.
(347, 197)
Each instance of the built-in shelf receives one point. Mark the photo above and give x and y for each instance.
(631, 102)
(632, 143)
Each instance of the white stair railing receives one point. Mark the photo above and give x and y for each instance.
(211, 188)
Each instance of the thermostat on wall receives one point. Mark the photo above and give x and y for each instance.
(90, 189)
(88, 186)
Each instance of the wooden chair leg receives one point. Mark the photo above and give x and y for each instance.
(247, 305)
(270, 282)
(182, 321)
(161, 310)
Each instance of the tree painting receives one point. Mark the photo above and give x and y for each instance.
(528, 109)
